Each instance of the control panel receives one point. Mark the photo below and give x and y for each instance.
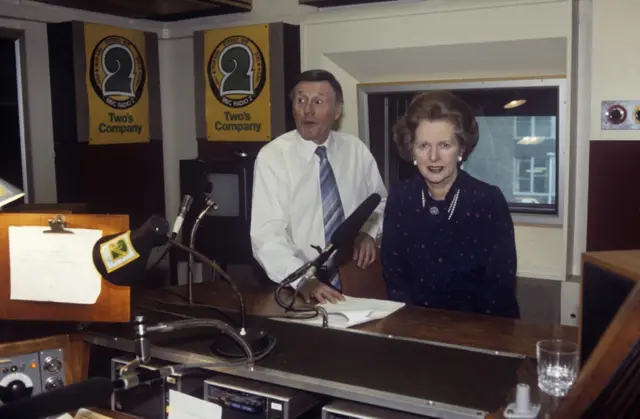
(343, 409)
(240, 397)
(27, 375)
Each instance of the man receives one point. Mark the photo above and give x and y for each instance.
(306, 182)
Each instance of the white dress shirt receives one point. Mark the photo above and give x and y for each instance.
(286, 210)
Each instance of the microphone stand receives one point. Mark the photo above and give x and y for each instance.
(226, 344)
(210, 204)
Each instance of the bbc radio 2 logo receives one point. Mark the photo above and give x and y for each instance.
(118, 73)
(237, 71)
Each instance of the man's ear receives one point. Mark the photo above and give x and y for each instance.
(338, 112)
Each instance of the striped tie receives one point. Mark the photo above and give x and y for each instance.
(331, 207)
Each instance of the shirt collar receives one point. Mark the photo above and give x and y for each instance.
(307, 149)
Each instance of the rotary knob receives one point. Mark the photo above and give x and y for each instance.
(52, 365)
(53, 383)
(616, 114)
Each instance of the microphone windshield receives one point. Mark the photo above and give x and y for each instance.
(89, 393)
(122, 258)
(348, 230)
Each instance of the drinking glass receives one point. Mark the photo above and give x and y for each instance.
(558, 364)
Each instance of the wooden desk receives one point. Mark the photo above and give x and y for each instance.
(623, 262)
(464, 329)
(402, 373)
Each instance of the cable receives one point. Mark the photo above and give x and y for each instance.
(256, 357)
(200, 305)
(317, 310)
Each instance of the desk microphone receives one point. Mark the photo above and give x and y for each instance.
(122, 258)
(343, 237)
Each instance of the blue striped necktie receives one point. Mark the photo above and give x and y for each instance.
(331, 207)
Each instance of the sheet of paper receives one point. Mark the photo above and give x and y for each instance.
(352, 312)
(363, 304)
(183, 406)
(53, 267)
(65, 416)
(88, 414)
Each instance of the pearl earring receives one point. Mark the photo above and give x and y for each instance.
(460, 159)
(415, 162)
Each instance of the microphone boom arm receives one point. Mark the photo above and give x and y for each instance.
(210, 204)
(143, 351)
(227, 278)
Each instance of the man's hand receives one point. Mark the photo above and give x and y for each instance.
(313, 288)
(364, 250)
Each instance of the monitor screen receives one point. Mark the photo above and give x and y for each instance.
(224, 188)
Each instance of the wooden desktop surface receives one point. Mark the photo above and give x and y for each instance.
(623, 262)
(465, 329)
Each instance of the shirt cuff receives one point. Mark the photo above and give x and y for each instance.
(292, 268)
(371, 227)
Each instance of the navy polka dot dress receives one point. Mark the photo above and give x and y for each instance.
(456, 254)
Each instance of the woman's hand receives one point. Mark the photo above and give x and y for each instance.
(364, 250)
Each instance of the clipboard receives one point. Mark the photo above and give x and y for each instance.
(114, 302)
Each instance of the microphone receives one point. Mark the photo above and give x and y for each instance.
(90, 393)
(187, 200)
(341, 238)
(122, 256)
(121, 259)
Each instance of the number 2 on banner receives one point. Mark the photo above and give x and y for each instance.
(236, 66)
(118, 65)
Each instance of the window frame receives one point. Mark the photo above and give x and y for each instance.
(562, 121)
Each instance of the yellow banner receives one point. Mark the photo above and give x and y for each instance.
(117, 85)
(237, 97)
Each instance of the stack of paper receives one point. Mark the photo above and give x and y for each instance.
(352, 311)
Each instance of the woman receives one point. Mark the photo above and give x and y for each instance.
(448, 240)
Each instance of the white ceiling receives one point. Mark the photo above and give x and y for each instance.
(534, 57)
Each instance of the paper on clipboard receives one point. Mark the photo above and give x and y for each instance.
(53, 267)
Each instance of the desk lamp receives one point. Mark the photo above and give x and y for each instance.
(8, 193)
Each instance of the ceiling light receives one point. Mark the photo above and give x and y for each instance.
(515, 103)
(530, 140)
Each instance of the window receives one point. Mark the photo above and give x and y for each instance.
(534, 126)
(518, 145)
(535, 179)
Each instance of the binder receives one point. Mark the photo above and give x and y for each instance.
(113, 303)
